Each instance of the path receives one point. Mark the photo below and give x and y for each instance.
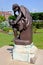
(6, 57)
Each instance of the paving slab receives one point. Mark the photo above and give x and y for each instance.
(39, 60)
(5, 57)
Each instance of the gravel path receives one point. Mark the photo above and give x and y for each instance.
(6, 57)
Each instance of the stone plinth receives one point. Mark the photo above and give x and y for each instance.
(25, 53)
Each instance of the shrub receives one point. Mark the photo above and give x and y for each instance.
(37, 25)
(10, 31)
(12, 17)
(34, 30)
(3, 24)
(6, 29)
(2, 18)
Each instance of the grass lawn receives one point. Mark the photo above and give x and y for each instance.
(38, 40)
(6, 39)
(39, 30)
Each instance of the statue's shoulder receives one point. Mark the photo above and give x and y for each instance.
(26, 12)
(23, 9)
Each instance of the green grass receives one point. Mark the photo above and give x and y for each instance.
(38, 40)
(40, 30)
(6, 39)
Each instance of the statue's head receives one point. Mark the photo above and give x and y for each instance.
(16, 8)
(20, 24)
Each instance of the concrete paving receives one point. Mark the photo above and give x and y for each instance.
(39, 60)
(6, 57)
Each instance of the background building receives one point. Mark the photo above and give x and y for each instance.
(6, 14)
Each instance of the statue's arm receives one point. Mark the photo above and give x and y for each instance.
(18, 18)
(26, 21)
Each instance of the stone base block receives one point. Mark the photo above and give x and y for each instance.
(25, 53)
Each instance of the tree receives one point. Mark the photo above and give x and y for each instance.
(37, 16)
(2, 18)
(41, 16)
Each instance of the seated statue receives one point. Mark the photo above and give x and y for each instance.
(23, 24)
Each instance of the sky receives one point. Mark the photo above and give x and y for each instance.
(32, 5)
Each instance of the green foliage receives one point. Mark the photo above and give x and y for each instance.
(3, 24)
(34, 23)
(37, 16)
(6, 29)
(38, 24)
(34, 16)
(34, 30)
(2, 18)
(40, 16)
(12, 17)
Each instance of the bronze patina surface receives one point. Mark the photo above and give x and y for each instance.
(23, 24)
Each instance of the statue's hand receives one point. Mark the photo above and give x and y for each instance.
(15, 22)
(12, 22)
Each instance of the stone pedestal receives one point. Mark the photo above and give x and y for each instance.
(25, 53)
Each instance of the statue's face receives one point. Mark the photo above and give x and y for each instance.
(16, 9)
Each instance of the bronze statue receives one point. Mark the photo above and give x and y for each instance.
(23, 50)
(23, 24)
